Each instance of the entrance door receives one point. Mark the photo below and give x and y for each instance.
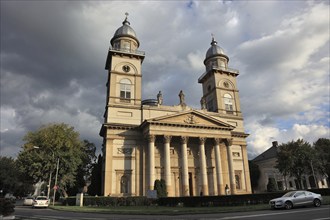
(191, 192)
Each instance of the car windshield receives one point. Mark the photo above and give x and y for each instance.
(41, 198)
(289, 194)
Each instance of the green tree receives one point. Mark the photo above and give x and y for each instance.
(11, 180)
(52, 141)
(254, 174)
(294, 159)
(271, 186)
(95, 186)
(160, 187)
(84, 170)
(322, 152)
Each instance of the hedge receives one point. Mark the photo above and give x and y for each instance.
(110, 201)
(230, 200)
(191, 201)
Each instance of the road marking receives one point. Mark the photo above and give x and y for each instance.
(321, 218)
(279, 213)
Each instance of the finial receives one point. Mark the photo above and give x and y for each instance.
(214, 42)
(126, 21)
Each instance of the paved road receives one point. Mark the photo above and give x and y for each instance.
(310, 213)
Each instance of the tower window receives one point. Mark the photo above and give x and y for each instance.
(125, 89)
(126, 46)
(228, 101)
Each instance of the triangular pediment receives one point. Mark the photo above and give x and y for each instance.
(191, 118)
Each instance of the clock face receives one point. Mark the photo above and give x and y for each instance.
(126, 68)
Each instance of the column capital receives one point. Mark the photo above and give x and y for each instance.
(217, 141)
(167, 138)
(151, 137)
(228, 141)
(202, 140)
(184, 139)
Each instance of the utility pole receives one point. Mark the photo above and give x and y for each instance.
(55, 187)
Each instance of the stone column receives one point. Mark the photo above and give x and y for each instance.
(167, 165)
(246, 170)
(151, 159)
(218, 168)
(228, 143)
(184, 167)
(202, 165)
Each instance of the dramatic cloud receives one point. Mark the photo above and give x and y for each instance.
(53, 56)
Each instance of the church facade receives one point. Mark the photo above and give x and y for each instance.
(196, 151)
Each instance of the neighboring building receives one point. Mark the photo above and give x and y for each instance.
(196, 152)
(267, 162)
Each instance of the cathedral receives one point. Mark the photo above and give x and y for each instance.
(195, 151)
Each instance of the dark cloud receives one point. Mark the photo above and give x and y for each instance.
(53, 56)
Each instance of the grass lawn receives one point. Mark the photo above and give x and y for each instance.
(163, 210)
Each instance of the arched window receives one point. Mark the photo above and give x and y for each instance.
(125, 89)
(123, 184)
(228, 101)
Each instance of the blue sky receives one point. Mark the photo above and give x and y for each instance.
(53, 55)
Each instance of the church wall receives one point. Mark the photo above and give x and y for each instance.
(127, 115)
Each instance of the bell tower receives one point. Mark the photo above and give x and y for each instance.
(220, 91)
(124, 63)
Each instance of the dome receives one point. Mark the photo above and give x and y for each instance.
(125, 31)
(214, 50)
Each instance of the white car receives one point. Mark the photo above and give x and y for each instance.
(40, 202)
(296, 198)
(28, 200)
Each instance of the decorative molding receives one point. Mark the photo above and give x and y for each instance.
(190, 119)
(217, 141)
(236, 154)
(124, 150)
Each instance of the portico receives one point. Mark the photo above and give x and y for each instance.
(189, 157)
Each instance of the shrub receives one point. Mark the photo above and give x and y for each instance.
(6, 207)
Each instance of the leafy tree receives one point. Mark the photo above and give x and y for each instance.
(322, 156)
(160, 187)
(271, 186)
(95, 186)
(254, 174)
(294, 159)
(84, 170)
(284, 162)
(52, 141)
(11, 180)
